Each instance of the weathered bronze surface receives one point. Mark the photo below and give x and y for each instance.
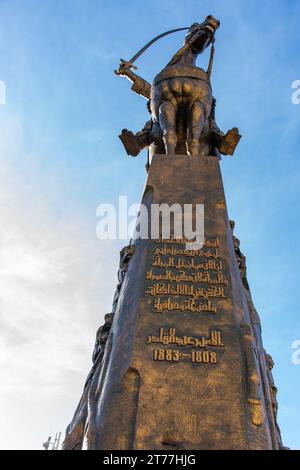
(156, 389)
(76, 429)
(180, 102)
(180, 363)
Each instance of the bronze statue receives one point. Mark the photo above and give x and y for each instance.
(181, 103)
(182, 364)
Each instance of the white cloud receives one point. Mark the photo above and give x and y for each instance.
(56, 283)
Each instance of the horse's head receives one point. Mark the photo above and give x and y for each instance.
(203, 33)
(211, 23)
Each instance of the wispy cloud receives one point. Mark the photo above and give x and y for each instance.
(51, 303)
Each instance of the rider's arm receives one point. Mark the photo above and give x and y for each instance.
(139, 85)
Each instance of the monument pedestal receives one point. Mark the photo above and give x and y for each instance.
(183, 367)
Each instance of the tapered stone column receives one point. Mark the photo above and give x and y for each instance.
(182, 366)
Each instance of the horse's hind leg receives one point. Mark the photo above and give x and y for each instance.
(196, 117)
(167, 122)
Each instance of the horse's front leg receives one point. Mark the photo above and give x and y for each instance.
(167, 122)
(196, 118)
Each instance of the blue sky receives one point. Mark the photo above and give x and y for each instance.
(60, 157)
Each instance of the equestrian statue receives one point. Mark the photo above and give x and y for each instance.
(180, 101)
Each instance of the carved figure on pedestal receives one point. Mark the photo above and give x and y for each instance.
(125, 256)
(252, 378)
(76, 429)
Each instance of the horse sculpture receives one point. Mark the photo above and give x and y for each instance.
(180, 96)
